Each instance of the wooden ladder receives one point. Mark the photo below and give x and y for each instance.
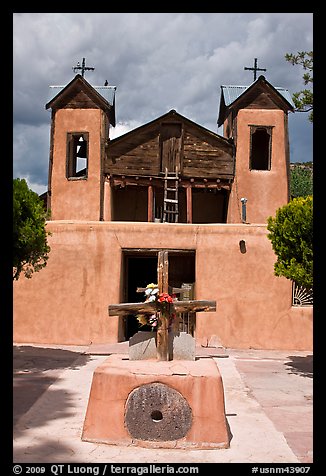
(171, 198)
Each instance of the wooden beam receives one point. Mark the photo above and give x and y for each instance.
(132, 308)
(150, 203)
(150, 307)
(162, 334)
(195, 306)
(154, 251)
(189, 204)
(145, 181)
(162, 339)
(163, 271)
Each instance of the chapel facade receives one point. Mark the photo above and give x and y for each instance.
(123, 179)
(172, 185)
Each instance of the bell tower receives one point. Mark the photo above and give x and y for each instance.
(256, 118)
(80, 121)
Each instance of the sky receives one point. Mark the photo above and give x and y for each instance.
(157, 61)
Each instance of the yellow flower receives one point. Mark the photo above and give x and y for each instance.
(142, 320)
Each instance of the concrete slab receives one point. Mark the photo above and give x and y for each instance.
(49, 428)
(283, 388)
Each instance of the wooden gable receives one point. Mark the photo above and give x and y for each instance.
(79, 100)
(169, 141)
(79, 94)
(259, 95)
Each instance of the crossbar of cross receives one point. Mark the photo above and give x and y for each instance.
(254, 69)
(83, 68)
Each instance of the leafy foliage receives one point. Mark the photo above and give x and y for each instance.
(301, 181)
(303, 100)
(30, 245)
(291, 234)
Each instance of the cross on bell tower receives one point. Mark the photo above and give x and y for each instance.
(83, 68)
(255, 69)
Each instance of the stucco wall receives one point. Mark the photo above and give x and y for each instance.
(64, 190)
(66, 302)
(266, 190)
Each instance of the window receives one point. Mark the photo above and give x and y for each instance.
(260, 147)
(77, 155)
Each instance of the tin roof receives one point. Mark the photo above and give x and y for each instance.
(107, 92)
(231, 93)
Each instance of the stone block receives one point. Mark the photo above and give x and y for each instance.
(182, 346)
(142, 346)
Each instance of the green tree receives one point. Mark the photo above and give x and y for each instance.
(303, 100)
(31, 249)
(301, 181)
(291, 234)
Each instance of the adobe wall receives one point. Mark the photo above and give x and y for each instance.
(266, 190)
(67, 302)
(64, 190)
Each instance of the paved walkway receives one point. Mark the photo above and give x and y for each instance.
(268, 400)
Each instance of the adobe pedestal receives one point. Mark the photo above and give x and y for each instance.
(172, 404)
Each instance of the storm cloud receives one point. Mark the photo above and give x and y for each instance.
(157, 61)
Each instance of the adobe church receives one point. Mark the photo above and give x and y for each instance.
(169, 185)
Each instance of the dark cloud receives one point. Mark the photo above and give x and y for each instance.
(31, 153)
(158, 61)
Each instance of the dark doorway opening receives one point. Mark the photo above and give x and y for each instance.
(140, 269)
(129, 203)
(209, 205)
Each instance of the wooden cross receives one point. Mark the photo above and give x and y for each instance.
(82, 67)
(255, 69)
(148, 307)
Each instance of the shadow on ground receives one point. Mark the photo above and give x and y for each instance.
(49, 451)
(36, 359)
(35, 369)
(301, 365)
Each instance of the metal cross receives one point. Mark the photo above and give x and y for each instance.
(255, 69)
(82, 67)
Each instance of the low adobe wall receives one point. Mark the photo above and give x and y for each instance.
(67, 301)
(142, 404)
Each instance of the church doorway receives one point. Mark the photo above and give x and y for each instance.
(140, 269)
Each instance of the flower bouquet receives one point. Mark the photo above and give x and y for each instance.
(164, 306)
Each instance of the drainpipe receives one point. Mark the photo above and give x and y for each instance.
(244, 209)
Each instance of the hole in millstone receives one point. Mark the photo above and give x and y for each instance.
(156, 415)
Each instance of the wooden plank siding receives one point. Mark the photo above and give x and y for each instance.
(134, 156)
(171, 146)
(198, 152)
(204, 156)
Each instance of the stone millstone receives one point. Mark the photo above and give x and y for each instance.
(157, 412)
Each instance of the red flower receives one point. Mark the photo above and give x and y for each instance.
(165, 297)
